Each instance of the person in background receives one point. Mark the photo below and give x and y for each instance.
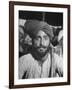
(60, 40)
(21, 40)
(59, 47)
(41, 62)
(24, 42)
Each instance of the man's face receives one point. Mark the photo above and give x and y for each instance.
(41, 42)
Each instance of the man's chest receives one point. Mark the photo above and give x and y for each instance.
(36, 70)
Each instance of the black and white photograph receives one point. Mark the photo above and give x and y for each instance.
(40, 45)
(41, 41)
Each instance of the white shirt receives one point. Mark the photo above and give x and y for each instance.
(31, 68)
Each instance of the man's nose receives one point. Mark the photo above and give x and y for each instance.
(41, 42)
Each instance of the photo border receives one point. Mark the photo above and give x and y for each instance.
(11, 44)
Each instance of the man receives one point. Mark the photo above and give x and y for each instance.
(41, 62)
(24, 41)
(21, 40)
(59, 47)
(60, 40)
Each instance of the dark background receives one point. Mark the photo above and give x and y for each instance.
(52, 18)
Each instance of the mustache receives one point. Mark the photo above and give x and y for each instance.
(42, 46)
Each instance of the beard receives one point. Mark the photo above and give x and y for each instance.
(42, 50)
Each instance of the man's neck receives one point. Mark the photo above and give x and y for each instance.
(40, 58)
(44, 58)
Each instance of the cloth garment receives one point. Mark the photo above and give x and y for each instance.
(31, 68)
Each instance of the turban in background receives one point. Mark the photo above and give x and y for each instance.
(32, 27)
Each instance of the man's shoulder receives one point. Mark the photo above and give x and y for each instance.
(26, 58)
(57, 59)
(55, 54)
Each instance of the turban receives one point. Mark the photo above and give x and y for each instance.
(33, 26)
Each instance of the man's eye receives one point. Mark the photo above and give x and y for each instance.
(37, 38)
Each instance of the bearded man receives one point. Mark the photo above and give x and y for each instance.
(41, 62)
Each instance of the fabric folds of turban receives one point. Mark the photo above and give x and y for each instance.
(33, 26)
